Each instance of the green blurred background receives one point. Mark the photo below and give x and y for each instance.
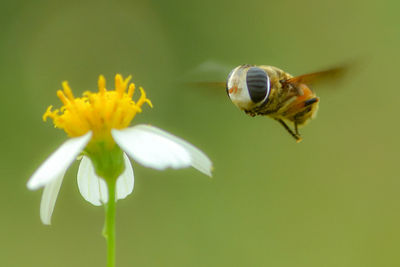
(331, 200)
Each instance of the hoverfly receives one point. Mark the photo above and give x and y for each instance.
(270, 91)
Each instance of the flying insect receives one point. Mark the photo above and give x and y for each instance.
(270, 91)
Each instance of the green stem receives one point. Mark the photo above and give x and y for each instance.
(109, 227)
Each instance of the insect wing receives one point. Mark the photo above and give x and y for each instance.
(208, 84)
(330, 75)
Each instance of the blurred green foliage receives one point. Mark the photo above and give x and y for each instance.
(332, 200)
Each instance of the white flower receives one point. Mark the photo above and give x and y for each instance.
(97, 124)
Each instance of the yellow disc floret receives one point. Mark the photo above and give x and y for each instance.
(97, 112)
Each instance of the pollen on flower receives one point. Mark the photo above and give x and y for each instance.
(97, 112)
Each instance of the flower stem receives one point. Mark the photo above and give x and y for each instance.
(109, 227)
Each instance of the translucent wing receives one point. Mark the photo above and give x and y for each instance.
(216, 85)
(330, 75)
(208, 77)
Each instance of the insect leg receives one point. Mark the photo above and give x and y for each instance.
(296, 129)
(294, 135)
(311, 101)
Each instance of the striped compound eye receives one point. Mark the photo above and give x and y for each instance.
(258, 84)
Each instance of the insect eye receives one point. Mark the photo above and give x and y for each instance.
(257, 84)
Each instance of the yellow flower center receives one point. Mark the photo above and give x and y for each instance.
(97, 112)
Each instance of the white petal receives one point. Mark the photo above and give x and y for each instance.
(49, 198)
(155, 148)
(94, 189)
(199, 160)
(125, 181)
(58, 162)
